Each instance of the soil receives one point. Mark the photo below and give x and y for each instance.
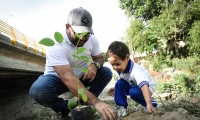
(19, 106)
(174, 115)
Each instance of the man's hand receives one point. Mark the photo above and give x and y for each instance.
(91, 73)
(111, 92)
(106, 110)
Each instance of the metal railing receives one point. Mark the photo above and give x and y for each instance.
(18, 36)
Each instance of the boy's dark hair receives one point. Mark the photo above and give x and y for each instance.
(118, 48)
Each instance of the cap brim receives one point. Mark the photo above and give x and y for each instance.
(80, 29)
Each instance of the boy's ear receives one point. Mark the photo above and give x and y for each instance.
(128, 56)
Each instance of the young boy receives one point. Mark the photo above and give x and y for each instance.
(134, 80)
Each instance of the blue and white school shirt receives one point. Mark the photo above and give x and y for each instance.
(138, 75)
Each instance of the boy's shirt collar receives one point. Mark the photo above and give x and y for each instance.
(129, 67)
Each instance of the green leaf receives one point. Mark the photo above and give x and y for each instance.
(81, 50)
(47, 42)
(67, 42)
(84, 70)
(78, 66)
(69, 114)
(83, 57)
(71, 104)
(84, 33)
(82, 93)
(88, 87)
(75, 56)
(58, 36)
(78, 36)
(198, 78)
(94, 111)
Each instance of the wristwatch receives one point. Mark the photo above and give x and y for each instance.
(96, 64)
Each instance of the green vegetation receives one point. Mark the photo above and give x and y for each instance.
(172, 26)
(186, 75)
(37, 113)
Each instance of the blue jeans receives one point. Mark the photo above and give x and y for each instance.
(123, 88)
(46, 88)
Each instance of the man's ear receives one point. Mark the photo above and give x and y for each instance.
(67, 26)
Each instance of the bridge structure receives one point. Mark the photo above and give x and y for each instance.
(22, 59)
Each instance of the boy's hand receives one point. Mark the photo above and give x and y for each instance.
(111, 92)
(151, 108)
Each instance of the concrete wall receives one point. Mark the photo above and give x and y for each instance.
(19, 67)
(17, 57)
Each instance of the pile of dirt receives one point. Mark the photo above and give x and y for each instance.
(174, 115)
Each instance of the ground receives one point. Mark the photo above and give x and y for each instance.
(174, 115)
(19, 106)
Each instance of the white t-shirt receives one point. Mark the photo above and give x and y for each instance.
(138, 75)
(61, 54)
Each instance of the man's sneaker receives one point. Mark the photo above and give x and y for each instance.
(121, 111)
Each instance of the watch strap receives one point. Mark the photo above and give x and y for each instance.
(96, 64)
